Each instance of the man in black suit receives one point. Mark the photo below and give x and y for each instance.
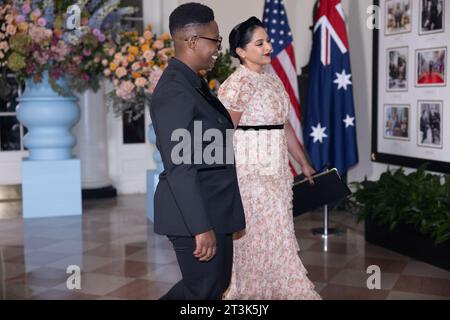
(197, 201)
(439, 17)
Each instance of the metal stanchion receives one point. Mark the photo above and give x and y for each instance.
(325, 231)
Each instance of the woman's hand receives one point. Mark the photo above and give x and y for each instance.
(239, 234)
(308, 171)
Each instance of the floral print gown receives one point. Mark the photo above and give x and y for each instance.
(266, 264)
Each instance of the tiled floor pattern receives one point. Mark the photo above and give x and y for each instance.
(121, 258)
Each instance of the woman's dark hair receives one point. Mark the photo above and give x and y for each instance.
(241, 35)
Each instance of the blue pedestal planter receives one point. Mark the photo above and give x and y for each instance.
(49, 118)
(153, 175)
(51, 177)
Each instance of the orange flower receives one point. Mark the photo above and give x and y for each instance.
(131, 58)
(145, 47)
(136, 75)
(165, 36)
(150, 63)
(23, 26)
(113, 66)
(133, 50)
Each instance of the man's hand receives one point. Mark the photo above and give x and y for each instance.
(205, 246)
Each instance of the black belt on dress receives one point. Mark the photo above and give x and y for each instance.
(265, 127)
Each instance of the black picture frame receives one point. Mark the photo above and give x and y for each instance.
(387, 158)
(441, 19)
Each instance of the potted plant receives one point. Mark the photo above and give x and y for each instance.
(408, 213)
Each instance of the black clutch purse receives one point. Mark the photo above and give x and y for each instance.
(328, 188)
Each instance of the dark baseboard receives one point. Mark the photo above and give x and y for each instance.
(100, 193)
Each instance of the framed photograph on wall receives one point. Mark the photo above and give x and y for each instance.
(431, 67)
(429, 124)
(397, 71)
(398, 16)
(410, 126)
(431, 16)
(396, 121)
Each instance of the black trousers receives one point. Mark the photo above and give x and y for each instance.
(201, 280)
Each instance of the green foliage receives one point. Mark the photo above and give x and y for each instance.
(419, 199)
(223, 67)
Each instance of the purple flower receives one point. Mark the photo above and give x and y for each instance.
(101, 37)
(86, 77)
(87, 52)
(37, 12)
(42, 22)
(20, 19)
(96, 32)
(26, 8)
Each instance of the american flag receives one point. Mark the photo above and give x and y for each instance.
(330, 133)
(283, 59)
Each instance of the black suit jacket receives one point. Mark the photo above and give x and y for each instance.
(192, 198)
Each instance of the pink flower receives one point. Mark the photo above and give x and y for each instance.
(87, 52)
(107, 72)
(149, 55)
(11, 29)
(42, 22)
(111, 52)
(48, 33)
(26, 8)
(86, 77)
(126, 89)
(124, 63)
(20, 19)
(148, 35)
(121, 72)
(135, 66)
(104, 62)
(155, 75)
(140, 82)
(158, 45)
(97, 59)
(77, 59)
(4, 45)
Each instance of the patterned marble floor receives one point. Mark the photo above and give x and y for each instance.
(121, 258)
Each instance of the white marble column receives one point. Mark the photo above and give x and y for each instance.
(92, 147)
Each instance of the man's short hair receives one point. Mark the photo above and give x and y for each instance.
(189, 14)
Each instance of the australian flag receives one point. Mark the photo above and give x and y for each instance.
(329, 131)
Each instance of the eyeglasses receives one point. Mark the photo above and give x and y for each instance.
(218, 41)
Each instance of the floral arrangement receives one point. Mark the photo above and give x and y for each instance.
(36, 40)
(134, 65)
(221, 71)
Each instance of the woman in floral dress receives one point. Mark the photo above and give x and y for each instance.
(266, 264)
